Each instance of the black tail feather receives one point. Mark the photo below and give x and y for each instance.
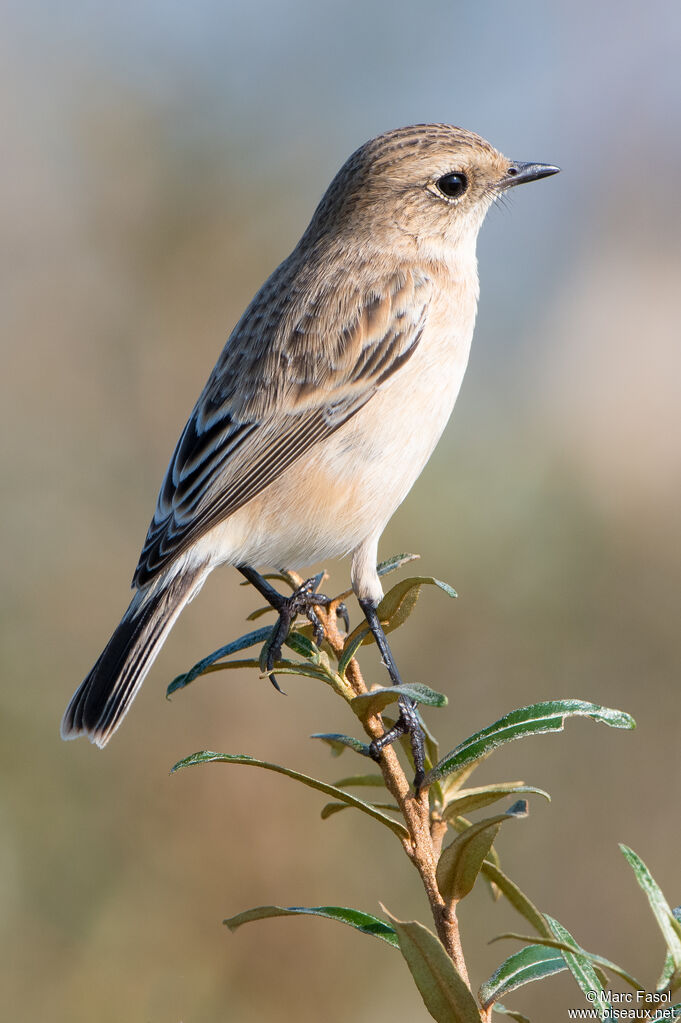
(103, 698)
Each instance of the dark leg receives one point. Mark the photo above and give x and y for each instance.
(408, 722)
(302, 601)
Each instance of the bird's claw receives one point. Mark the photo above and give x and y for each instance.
(302, 601)
(342, 613)
(407, 724)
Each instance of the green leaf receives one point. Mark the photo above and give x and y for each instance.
(564, 946)
(352, 644)
(361, 779)
(460, 863)
(453, 782)
(298, 643)
(397, 560)
(350, 648)
(531, 963)
(339, 743)
(533, 720)
(383, 568)
(206, 756)
(670, 977)
(331, 808)
(318, 671)
(668, 924)
(303, 646)
(444, 992)
(462, 824)
(250, 639)
(393, 611)
(466, 800)
(598, 961)
(364, 922)
(667, 974)
(400, 601)
(582, 970)
(517, 898)
(431, 743)
(517, 1016)
(376, 700)
(259, 612)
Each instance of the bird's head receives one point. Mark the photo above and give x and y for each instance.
(424, 188)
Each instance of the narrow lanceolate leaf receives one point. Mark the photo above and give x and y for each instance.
(454, 781)
(383, 568)
(242, 643)
(533, 720)
(466, 800)
(432, 746)
(393, 611)
(668, 924)
(303, 646)
(517, 1016)
(397, 561)
(670, 978)
(351, 646)
(444, 992)
(564, 946)
(462, 824)
(259, 613)
(364, 922)
(331, 808)
(206, 756)
(374, 780)
(400, 601)
(582, 970)
(517, 898)
(318, 671)
(531, 963)
(667, 973)
(460, 863)
(339, 743)
(376, 700)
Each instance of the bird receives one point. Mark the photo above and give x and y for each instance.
(324, 405)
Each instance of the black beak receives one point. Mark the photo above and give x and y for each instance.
(519, 173)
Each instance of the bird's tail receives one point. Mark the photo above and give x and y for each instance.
(103, 699)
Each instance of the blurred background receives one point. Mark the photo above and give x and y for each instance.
(159, 160)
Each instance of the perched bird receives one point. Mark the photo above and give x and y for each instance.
(324, 405)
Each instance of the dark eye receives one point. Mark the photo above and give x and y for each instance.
(453, 185)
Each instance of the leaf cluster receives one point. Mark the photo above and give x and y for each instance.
(449, 869)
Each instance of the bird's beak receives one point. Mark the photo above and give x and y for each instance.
(519, 173)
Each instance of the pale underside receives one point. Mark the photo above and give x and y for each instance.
(313, 426)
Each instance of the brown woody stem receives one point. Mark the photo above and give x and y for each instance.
(426, 831)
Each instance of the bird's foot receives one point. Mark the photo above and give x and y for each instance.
(407, 724)
(302, 601)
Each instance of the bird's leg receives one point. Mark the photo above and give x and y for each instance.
(408, 721)
(303, 600)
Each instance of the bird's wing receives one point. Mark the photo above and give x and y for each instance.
(292, 372)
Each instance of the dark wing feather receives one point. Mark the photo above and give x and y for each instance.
(285, 381)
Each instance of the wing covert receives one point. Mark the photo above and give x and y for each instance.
(291, 373)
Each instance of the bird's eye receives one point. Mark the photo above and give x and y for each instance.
(453, 185)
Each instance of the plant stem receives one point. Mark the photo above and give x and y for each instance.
(425, 833)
